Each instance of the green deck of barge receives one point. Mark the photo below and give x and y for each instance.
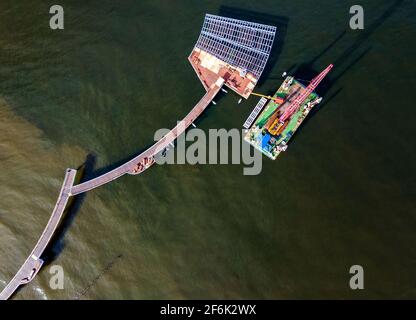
(260, 129)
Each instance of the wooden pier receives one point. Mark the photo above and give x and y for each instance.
(33, 263)
(219, 58)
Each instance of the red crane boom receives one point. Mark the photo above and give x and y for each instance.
(300, 98)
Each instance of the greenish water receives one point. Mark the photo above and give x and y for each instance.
(343, 193)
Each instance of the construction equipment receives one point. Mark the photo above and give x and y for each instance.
(301, 98)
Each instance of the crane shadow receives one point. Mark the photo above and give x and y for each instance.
(350, 57)
(341, 63)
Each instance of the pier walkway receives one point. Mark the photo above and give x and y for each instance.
(219, 58)
(136, 165)
(33, 263)
(131, 166)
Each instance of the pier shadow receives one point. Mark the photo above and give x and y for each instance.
(105, 169)
(289, 70)
(57, 243)
(86, 172)
(280, 22)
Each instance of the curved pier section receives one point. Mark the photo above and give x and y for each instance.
(146, 159)
(33, 263)
(239, 62)
(137, 165)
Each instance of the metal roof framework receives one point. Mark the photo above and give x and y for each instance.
(242, 44)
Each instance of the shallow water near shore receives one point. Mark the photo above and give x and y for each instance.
(342, 194)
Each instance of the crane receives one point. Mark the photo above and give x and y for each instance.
(308, 90)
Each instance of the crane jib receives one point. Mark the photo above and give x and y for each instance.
(309, 89)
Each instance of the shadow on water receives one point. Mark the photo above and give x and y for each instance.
(368, 31)
(85, 172)
(57, 243)
(289, 70)
(307, 71)
(98, 172)
(259, 17)
(345, 61)
(314, 111)
(342, 64)
(303, 71)
(327, 83)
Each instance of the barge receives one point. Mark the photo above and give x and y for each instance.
(283, 115)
